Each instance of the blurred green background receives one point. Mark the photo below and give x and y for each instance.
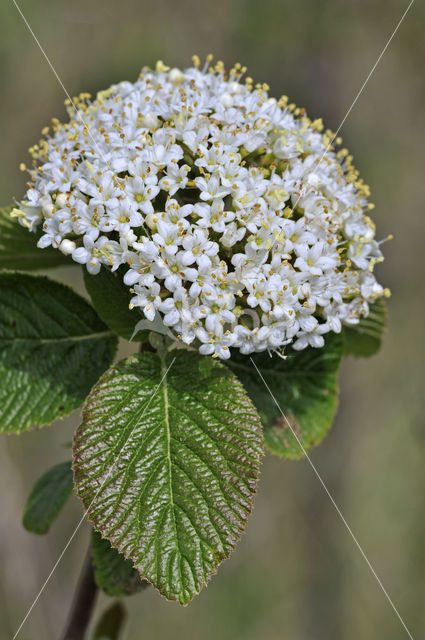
(297, 574)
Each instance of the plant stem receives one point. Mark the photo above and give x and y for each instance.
(83, 603)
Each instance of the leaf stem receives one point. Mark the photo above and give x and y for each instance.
(83, 603)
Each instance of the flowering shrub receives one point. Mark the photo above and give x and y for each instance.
(210, 220)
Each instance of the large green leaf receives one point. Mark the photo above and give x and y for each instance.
(47, 498)
(114, 574)
(364, 339)
(111, 299)
(18, 247)
(305, 387)
(167, 465)
(53, 348)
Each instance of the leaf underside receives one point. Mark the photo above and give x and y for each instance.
(168, 467)
(18, 248)
(114, 574)
(364, 339)
(53, 348)
(305, 387)
(49, 495)
(111, 299)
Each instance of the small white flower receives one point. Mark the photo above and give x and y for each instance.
(177, 308)
(296, 235)
(94, 253)
(163, 155)
(215, 344)
(232, 235)
(199, 249)
(314, 259)
(141, 194)
(175, 178)
(89, 219)
(52, 235)
(313, 338)
(213, 215)
(210, 188)
(167, 237)
(121, 217)
(177, 214)
(147, 298)
(102, 190)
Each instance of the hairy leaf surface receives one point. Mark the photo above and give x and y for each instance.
(364, 339)
(305, 387)
(114, 574)
(167, 465)
(53, 348)
(49, 495)
(18, 248)
(111, 299)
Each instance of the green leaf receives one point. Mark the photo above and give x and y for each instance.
(167, 465)
(305, 387)
(111, 623)
(49, 495)
(364, 339)
(111, 299)
(114, 574)
(18, 247)
(53, 348)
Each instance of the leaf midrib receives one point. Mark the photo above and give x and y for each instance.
(164, 371)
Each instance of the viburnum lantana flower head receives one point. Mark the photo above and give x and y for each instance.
(230, 213)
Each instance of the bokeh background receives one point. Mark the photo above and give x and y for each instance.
(297, 574)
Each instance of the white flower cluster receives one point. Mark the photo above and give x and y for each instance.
(224, 208)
